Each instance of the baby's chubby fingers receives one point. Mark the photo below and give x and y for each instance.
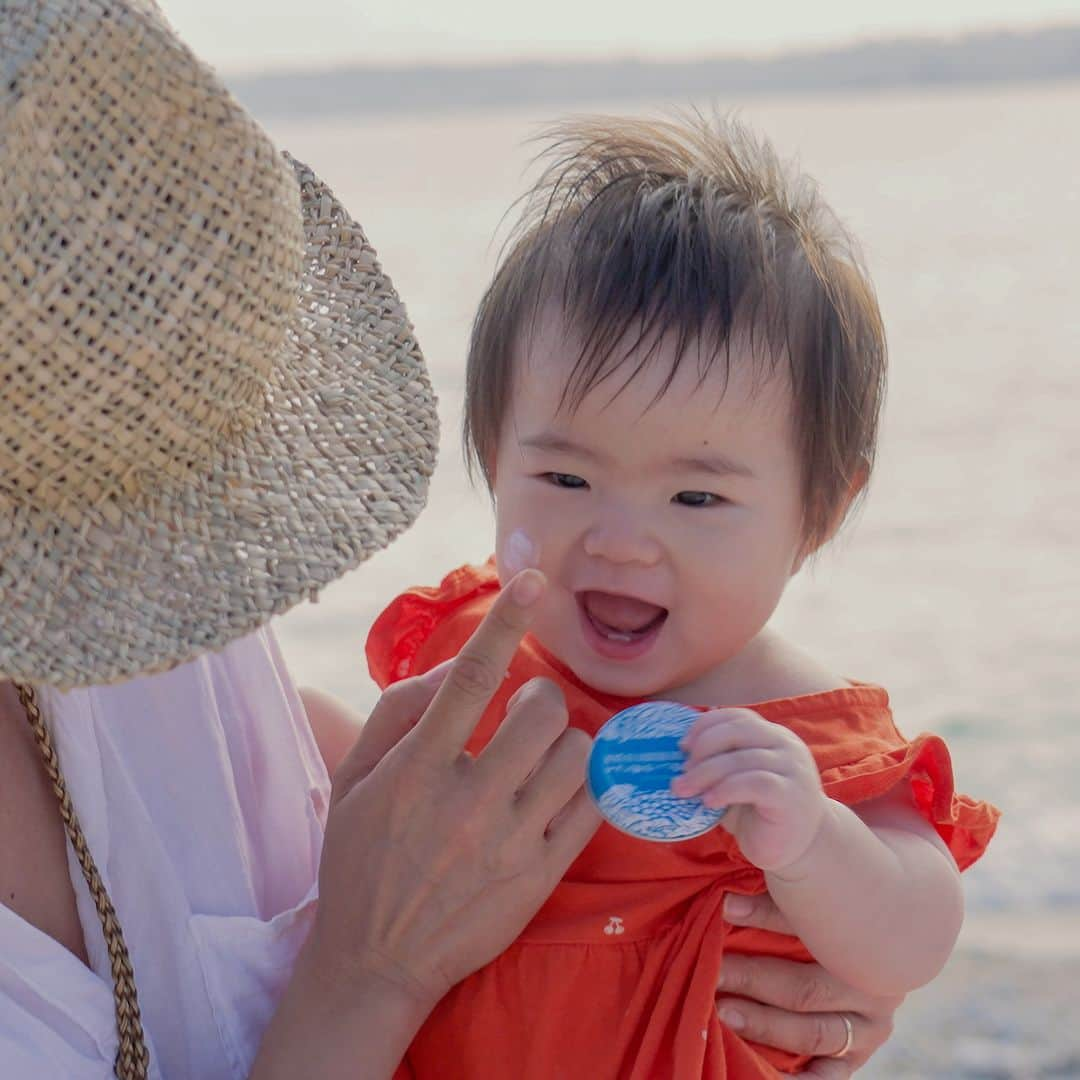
(721, 730)
(706, 773)
(762, 789)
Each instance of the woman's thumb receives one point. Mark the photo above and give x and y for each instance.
(758, 911)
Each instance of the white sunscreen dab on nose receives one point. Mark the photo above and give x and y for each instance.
(519, 552)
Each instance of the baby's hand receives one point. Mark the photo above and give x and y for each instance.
(764, 774)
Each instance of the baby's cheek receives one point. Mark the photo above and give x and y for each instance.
(518, 551)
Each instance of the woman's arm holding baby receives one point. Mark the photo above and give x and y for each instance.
(875, 896)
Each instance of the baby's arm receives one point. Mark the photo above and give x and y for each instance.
(333, 724)
(874, 895)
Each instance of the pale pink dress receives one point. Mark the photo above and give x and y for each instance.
(203, 798)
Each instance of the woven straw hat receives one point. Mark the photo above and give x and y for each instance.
(211, 400)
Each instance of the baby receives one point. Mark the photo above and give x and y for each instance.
(673, 392)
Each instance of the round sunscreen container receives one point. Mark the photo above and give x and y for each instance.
(634, 758)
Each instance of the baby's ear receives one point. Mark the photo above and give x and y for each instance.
(854, 490)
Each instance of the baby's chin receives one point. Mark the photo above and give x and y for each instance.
(614, 683)
(631, 687)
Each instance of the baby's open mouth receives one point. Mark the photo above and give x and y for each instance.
(620, 618)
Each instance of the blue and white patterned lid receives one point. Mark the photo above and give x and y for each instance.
(634, 758)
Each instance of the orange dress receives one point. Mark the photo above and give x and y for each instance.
(614, 979)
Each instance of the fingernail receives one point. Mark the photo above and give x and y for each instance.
(737, 907)
(732, 1017)
(515, 695)
(527, 587)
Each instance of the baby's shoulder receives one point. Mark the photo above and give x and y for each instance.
(784, 670)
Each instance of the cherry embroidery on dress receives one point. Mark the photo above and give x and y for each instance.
(615, 925)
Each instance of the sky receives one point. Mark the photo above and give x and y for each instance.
(248, 35)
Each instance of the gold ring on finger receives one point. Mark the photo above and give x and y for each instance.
(849, 1038)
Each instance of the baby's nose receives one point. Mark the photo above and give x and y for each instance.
(622, 539)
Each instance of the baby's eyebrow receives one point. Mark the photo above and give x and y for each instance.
(549, 440)
(715, 464)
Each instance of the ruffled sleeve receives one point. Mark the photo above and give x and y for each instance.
(425, 626)
(861, 755)
(966, 825)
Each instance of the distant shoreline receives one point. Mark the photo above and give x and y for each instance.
(987, 57)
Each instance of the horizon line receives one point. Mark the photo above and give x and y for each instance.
(481, 62)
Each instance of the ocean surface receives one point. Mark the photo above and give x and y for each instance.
(958, 585)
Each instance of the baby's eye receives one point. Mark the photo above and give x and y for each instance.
(698, 498)
(565, 480)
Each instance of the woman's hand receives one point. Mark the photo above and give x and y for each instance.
(433, 860)
(798, 1007)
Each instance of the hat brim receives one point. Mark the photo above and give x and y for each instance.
(339, 467)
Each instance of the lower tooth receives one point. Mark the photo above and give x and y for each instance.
(620, 637)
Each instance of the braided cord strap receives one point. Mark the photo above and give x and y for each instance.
(132, 1059)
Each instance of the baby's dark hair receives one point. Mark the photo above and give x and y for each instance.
(689, 230)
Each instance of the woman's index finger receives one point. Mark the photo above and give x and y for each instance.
(478, 670)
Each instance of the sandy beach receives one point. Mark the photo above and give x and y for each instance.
(1003, 1009)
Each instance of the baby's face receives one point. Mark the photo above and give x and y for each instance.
(667, 528)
